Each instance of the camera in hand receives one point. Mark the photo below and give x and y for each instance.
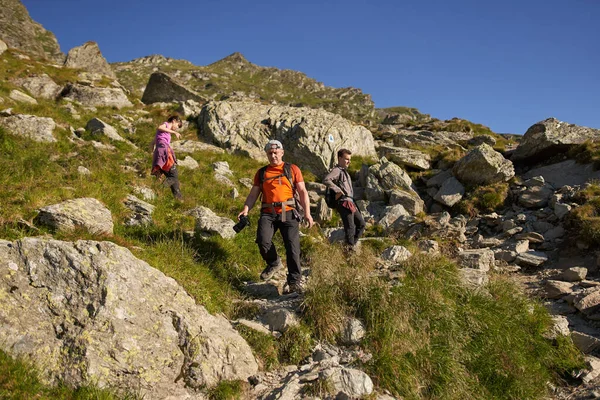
(244, 221)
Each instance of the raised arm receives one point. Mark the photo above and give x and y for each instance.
(163, 127)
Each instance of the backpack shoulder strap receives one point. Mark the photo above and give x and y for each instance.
(287, 171)
(261, 174)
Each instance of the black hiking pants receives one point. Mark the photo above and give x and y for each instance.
(268, 224)
(354, 224)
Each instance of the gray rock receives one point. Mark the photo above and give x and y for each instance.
(550, 137)
(391, 176)
(91, 313)
(574, 274)
(280, 319)
(450, 193)
(536, 196)
(96, 97)
(588, 302)
(142, 211)
(87, 213)
(81, 170)
(146, 193)
(560, 327)
(557, 289)
(353, 332)
(310, 137)
(163, 88)
(189, 108)
(3, 47)
(392, 214)
(483, 166)
(560, 210)
(348, 383)
(39, 129)
(532, 258)
(188, 162)
(532, 237)
(409, 200)
(585, 342)
(41, 86)
(405, 157)
(396, 254)
(592, 370)
(481, 139)
(481, 259)
(208, 221)
(438, 179)
(191, 146)
(374, 192)
(567, 172)
(21, 97)
(89, 58)
(473, 278)
(98, 127)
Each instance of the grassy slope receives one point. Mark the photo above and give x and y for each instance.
(430, 338)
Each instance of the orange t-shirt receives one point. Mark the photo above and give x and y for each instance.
(278, 189)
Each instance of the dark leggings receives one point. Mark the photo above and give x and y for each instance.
(172, 181)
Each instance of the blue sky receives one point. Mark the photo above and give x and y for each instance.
(506, 64)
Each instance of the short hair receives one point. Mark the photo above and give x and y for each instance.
(342, 152)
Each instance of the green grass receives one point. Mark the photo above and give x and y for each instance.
(228, 390)
(19, 380)
(432, 338)
(584, 221)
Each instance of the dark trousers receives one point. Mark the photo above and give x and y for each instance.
(268, 224)
(172, 181)
(354, 224)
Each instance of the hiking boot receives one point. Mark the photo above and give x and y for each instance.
(298, 287)
(270, 271)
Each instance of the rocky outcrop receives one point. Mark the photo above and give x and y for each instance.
(40, 86)
(96, 97)
(551, 136)
(87, 213)
(406, 157)
(162, 88)
(100, 128)
(39, 129)
(209, 223)
(310, 137)
(89, 58)
(19, 31)
(483, 166)
(90, 312)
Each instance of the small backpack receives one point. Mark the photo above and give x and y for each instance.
(287, 172)
(330, 199)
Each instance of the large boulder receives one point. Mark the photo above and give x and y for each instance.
(567, 172)
(92, 313)
(207, 222)
(96, 97)
(89, 58)
(39, 129)
(162, 88)
(40, 86)
(483, 166)
(100, 128)
(391, 176)
(406, 157)
(19, 31)
(310, 137)
(86, 213)
(550, 137)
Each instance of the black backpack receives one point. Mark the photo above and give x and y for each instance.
(330, 199)
(287, 172)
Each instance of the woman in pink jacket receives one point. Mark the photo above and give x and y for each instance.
(163, 160)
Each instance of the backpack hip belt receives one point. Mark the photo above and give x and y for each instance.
(282, 204)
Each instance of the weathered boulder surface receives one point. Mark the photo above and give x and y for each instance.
(89, 57)
(483, 166)
(191, 146)
(210, 223)
(36, 128)
(96, 97)
(98, 127)
(87, 213)
(310, 137)
(40, 86)
(407, 157)
(162, 88)
(19, 31)
(91, 312)
(567, 172)
(550, 137)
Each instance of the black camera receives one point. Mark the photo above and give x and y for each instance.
(244, 222)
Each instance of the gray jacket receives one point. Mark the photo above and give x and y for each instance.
(339, 180)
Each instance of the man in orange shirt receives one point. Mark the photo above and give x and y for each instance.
(279, 212)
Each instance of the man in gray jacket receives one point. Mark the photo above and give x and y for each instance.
(340, 182)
